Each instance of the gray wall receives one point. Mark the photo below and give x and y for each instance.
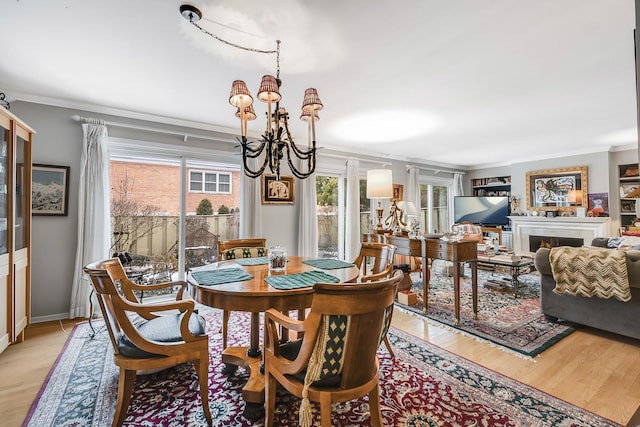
(58, 141)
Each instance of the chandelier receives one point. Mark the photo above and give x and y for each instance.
(276, 140)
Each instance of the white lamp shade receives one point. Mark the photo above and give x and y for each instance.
(379, 184)
(408, 207)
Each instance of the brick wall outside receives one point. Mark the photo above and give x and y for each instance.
(159, 185)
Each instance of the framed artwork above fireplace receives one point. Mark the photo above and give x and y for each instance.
(562, 189)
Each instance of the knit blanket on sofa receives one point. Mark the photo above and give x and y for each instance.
(590, 272)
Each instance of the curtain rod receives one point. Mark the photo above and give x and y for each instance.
(437, 171)
(184, 135)
(346, 157)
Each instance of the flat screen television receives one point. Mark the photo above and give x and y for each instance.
(482, 210)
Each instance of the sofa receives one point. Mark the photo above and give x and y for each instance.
(610, 314)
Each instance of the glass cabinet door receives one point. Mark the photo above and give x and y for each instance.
(4, 141)
(21, 198)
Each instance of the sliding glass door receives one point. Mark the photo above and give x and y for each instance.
(159, 201)
(435, 205)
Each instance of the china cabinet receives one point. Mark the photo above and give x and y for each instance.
(15, 227)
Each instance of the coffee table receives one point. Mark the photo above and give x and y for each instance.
(517, 266)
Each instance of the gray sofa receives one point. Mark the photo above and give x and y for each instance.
(607, 314)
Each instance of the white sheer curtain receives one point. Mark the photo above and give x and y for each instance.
(458, 190)
(352, 214)
(251, 212)
(413, 189)
(308, 221)
(93, 212)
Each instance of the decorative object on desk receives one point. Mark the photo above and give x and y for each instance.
(453, 236)
(514, 206)
(557, 189)
(277, 141)
(411, 215)
(598, 204)
(277, 258)
(466, 392)
(278, 191)
(514, 324)
(49, 190)
(379, 186)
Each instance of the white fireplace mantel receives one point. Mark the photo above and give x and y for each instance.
(585, 228)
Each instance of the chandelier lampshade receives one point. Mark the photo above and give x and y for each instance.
(240, 95)
(311, 100)
(269, 91)
(249, 113)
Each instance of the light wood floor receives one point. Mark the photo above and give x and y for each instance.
(593, 370)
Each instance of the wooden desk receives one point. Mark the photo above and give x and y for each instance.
(458, 253)
(256, 296)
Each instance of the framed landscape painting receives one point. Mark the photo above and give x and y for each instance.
(50, 190)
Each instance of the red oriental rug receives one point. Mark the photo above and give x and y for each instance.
(514, 324)
(423, 386)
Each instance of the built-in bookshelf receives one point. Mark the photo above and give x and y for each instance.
(493, 186)
(629, 183)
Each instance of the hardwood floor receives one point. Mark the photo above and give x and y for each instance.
(591, 369)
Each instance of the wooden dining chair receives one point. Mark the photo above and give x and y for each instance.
(164, 334)
(233, 249)
(381, 255)
(335, 360)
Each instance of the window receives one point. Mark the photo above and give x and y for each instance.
(435, 197)
(209, 182)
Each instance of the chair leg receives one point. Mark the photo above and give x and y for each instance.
(225, 322)
(389, 349)
(202, 369)
(126, 381)
(374, 407)
(325, 409)
(269, 399)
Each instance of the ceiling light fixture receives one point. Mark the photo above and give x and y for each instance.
(276, 139)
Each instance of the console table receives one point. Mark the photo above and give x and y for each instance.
(458, 253)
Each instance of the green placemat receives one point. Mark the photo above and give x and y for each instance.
(300, 280)
(252, 261)
(220, 276)
(328, 263)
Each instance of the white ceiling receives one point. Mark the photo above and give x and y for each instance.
(469, 83)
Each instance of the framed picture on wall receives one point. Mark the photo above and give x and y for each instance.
(557, 189)
(50, 190)
(278, 192)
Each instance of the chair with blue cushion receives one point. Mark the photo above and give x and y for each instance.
(336, 359)
(148, 336)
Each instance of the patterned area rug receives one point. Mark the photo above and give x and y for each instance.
(516, 324)
(423, 386)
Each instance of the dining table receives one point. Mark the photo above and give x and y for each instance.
(247, 284)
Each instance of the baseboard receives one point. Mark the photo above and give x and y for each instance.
(50, 317)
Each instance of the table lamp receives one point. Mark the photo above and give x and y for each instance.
(379, 186)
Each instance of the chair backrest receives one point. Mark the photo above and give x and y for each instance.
(226, 245)
(470, 231)
(109, 298)
(382, 256)
(345, 326)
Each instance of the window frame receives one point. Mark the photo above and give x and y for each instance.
(203, 173)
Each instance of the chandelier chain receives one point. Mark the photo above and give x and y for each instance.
(220, 39)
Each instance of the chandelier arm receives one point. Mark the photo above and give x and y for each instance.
(311, 161)
(253, 153)
(300, 153)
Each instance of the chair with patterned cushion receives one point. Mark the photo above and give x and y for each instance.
(148, 336)
(242, 248)
(234, 249)
(335, 360)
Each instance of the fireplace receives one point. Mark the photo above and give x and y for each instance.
(584, 229)
(536, 242)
